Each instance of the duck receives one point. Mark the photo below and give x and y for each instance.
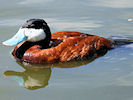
(36, 44)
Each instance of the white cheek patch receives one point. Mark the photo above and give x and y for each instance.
(34, 35)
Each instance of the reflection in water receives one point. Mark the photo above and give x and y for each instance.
(31, 78)
(37, 76)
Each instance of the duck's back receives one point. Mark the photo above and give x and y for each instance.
(73, 46)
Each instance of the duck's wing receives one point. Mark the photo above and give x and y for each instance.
(82, 47)
(71, 48)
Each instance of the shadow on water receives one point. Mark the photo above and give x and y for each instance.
(37, 76)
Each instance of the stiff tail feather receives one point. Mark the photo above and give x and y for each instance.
(119, 40)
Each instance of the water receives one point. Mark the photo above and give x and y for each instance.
(109, 77)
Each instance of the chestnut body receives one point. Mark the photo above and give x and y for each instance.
(66, 46)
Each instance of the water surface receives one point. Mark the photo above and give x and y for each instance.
(109, 77)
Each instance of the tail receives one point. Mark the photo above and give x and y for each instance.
(119, 40)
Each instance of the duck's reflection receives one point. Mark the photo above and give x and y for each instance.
(37, 76)
(31, 78)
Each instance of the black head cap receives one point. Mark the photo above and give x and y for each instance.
(38, 24)
(35, 23)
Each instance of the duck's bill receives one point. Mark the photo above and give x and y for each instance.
(17, 38)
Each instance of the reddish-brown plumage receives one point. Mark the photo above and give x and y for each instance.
(74, 45)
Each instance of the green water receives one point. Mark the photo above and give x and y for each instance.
(109, 77)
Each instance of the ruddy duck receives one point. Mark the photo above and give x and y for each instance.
(36, 44)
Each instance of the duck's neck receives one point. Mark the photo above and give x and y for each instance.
(25, 46)
(43, 43)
